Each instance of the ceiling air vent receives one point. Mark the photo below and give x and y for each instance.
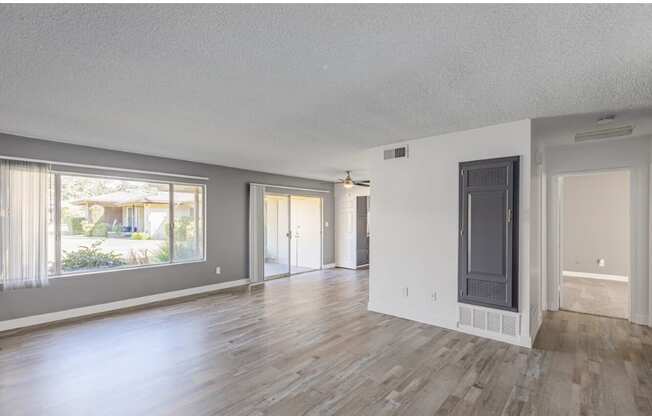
(395, 153)
(604, 133)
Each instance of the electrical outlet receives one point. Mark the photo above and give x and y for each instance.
(601, 262)
(218, 270)
(405, 292)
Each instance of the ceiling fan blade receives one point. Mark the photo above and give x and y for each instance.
(363, 183)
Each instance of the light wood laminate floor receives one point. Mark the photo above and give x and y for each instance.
(308, 345)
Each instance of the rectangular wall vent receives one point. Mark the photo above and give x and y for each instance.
(478, 319)
(395, 153)
(493, 322)
(466, 316)
(604, 133)
(509, 326)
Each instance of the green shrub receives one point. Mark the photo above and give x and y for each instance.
(87, 227)
(91, 257)
(182, 251)
(140, 236)
(184, 229)
(117, 227)
(98, 229)
(163, 253)
(75, 225)
(184, 234)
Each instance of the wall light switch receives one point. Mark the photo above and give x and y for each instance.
(326, 224)
(405, 292)
(434, 296)
(601, 263)
(218, 270)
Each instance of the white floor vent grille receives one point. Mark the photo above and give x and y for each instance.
(492, 321)
(466, 316)
(479, 319)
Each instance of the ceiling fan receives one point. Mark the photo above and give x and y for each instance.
(348, 182)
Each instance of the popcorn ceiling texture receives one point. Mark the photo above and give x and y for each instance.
(302, 89)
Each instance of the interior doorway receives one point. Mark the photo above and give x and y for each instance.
(293, 234)
(594, 237)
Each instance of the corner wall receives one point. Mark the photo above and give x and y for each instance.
(414, 238)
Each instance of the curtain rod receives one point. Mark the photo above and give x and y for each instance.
(81, 165)
(291, 187)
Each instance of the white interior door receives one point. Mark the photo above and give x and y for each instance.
(306, 240)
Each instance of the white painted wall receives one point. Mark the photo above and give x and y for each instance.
(595, 223)
(415, 222)
(345, 224)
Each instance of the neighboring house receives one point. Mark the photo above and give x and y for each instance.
(134, 212)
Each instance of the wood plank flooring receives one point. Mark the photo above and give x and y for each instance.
(308, 346)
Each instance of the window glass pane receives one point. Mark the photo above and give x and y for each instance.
(188, 222)
(107, 223)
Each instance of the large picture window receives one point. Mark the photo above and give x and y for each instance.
(102, 223)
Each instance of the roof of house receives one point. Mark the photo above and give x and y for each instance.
(122, 198)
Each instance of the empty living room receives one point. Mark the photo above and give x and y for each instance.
(325, 209)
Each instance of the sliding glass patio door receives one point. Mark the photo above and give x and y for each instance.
(293, 234)
(277, 236)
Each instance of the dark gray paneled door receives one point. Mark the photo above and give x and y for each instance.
(488, 242)
(362, 231)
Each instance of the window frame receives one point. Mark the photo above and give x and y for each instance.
(57, 174)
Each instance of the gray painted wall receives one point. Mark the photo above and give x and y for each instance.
(227, 199)
(596, 223)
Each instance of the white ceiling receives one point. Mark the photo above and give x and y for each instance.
(303, 89)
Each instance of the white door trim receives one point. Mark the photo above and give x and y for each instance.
(555, 242)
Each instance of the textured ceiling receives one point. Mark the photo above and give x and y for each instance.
(303, 89)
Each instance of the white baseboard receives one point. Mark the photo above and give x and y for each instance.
(521, 340)
(349, 267)
(328, 266)
(614, 277)
(640, 319)
(112, 306)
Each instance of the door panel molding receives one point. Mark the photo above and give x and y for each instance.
(488, 233)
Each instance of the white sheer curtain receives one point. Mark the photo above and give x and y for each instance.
(256, 233)
(24, 204)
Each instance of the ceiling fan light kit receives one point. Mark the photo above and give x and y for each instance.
(348, 183)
